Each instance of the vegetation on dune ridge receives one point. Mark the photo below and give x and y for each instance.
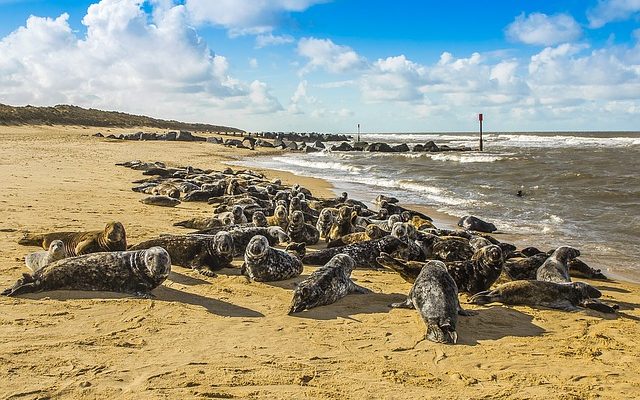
(64, 114)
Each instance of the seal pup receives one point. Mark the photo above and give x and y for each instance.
(364, 254)
(561, 296)
(301, 232)
(325, 221)
(555, 268)
(161, 201)
(263, 263)
(132, 272)
(36, 261)
(204, 253)
(112, 238)
(435, 295)
(326, 285)
(476, 224)
(279, 217)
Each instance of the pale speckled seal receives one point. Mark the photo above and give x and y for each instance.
(161, 201)
(555, 268)
(562, 296)
(301, 232)
(476, 224)
(452, 248)
(263, 263)
(326, 285)
(132, 272)
(364, 254)
(204, 253)
(111, 238)
(36, 261)
(435, 295)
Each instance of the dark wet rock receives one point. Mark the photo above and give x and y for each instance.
(379, 147)
(401, 148)
(344, 146)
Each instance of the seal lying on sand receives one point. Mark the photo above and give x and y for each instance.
(555, 268)
(562, 296)
(325, 221)
(435, 295)
(111, 238)
(203, 253)
(36, 261)
(279, 217)
(476, 224)
(132, 272)
(301, 232)
(162, 201)
(371, 232)
(364, 254)
(326, 285)
(242, 237)
(263, 263)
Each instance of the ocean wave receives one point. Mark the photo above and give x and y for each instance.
(324, 165)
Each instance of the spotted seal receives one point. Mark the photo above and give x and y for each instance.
(452, 248)
(36, 261)
(476, 224)
(364, 254)
(204, 253)
(112, 238)
(555, 268)
(279, 217)
(561, 296)
(301, 232)
(161, 201)
(132, 272)
(202, 223)
(259, 219)
(343, 223)
(325, 221)
(371, 232)
(435, 295)
(326, 285)
(263, 263)
(242, 236)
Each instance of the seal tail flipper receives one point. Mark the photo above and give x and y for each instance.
(357, 289)
(26, 284)
(389, 262)
(485, 297)
(442, 333)
(597, 305)
(29, 239)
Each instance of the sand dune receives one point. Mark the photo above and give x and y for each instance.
(224, 337)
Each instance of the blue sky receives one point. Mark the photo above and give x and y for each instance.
(319, 65)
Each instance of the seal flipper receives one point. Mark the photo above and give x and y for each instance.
(206, 271)
(441, 332)
(30, 239)
(357, 289)
(564, 305)
(26, 284)
(486, 297)
(144, 295)
(597, 305)
(408, 303)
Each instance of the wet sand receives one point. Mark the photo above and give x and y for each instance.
(226, 338)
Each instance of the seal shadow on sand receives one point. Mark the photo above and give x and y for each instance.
(353, 304)
(493, 323)
(162, 293)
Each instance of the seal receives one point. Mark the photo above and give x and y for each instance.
(132, 272)
(476, 224)
(279, 217)
(263, 263)
(242, 237)
(161, 201)
(326, 285)
(435, 295)
(301, 232)
(406, 232)
(364, 254)
(203, 223)
(258, 219)
(561, 296)
(579, 268)
(166, 189)
(236, 215)
(555, 268)
(111, 238)
(343, 224)
(325, 221)
(371, 232)
(452, 248)
(38, 260)
(524, 268)
(204, 253)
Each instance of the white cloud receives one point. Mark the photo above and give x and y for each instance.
(242, 17)
(300, 98)
(323, 113)
(324, 54)
(612, 10)
(394, 78)
(126, 59)
(253, 63)
(273, 40)
(542, 29)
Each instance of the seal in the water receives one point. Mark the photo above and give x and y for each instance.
(111, 238)
(435, 295)
(301, 232)
(555, 268)
(562, 296)
(326, 285)
(36, 261)
(162, 201)
(132, 272)
(476, 224)
(364, 254)
(263, 263)
(203, 253)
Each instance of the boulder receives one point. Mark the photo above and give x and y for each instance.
(401, 148)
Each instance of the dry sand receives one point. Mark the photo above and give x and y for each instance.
(226, 338)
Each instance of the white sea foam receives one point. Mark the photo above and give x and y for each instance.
(323, 165)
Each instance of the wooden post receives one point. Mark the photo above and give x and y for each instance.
(358, 133)
(480, 119)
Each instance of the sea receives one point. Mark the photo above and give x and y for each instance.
(580, 189)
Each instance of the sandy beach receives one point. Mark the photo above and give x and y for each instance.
(224, 337)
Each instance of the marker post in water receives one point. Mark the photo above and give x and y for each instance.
(358, 133)
(479, 119)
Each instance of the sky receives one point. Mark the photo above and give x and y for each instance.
(328, 65)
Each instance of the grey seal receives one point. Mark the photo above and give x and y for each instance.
(555, 268)
(476, 224)
(38, 260)
(263, 263)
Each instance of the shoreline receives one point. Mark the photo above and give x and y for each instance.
(225, 337)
